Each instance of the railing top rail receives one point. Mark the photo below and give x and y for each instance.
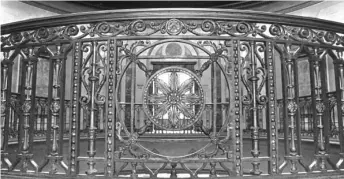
(169, 13)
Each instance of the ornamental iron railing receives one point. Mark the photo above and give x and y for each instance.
(177, 93)
(41, 116)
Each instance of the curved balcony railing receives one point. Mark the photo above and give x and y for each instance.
(244, 94)
(41, 117)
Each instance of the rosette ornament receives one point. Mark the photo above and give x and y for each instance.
(175, 99)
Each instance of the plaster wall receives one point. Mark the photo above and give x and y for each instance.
(12, 11)
(328, 10)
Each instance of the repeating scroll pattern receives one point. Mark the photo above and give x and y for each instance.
(175, 27)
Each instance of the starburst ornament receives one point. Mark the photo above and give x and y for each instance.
(174, 103)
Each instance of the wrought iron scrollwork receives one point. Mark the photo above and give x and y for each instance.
(219, 52)
(129, 53)
(129, 144)
(253, 76)
(237, 54)
(175, 27)
(248, 75)
(93, 79)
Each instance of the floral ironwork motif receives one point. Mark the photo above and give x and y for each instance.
(292, 106)
(174, 26)
(320, 107)
(175, 100)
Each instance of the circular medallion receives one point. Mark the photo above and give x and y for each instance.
(174, 26)
(173, 98)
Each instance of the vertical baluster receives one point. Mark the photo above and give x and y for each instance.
(93, 79)
(55, 108)
(29, 120)
(56, 97)
(6, 83)
(21, 99)
(26, 107)
(255, 128)
(26, 137)
(291, 105)
(55, 104)
(33, 110)
(339, 80)
(319, 108)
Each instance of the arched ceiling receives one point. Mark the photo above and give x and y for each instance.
(63, 7)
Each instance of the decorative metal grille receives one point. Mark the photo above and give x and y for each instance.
(231, 108)
(174, 104)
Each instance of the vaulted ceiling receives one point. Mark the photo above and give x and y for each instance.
(63, 7)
